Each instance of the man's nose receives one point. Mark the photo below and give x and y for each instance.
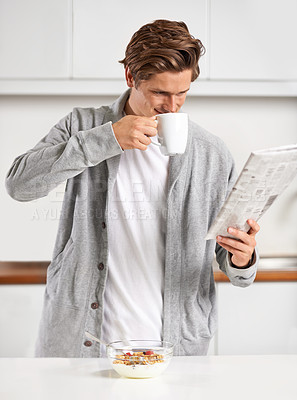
(171, 104)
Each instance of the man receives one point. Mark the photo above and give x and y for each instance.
(130, 259)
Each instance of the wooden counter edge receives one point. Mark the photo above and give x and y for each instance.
(264, 276)
(34, 272)
(23, 272)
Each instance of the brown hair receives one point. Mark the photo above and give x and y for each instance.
(162, 46)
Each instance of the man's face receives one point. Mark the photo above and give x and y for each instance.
(162, 93)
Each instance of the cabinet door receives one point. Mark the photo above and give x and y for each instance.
(20, 315)
(102, 31)
(253, 39)
(35, 38)
(260, 319)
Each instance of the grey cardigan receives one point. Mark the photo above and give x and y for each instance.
(83, 150)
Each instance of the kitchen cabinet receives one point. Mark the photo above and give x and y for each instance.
(35, 39)
(259, 319)
(72, 47)
(20, 313)
(253, 40)
(101, 33)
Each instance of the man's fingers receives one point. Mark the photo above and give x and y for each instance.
(151, 127)
(241, 252)
(144, 139)
(149, 131)
(149, 121)
(133, 132)
(241, 234)
(254, 227)
(141, 146)
(232, 250)
(242, 245)
(145, 125)
(233, 243)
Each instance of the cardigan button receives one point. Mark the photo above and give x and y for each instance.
(94, 306)
(88, 343)
(101, 266)
(103, 225)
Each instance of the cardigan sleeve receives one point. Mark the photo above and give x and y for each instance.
(242, 277)
(60, 155)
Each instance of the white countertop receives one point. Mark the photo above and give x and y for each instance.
(212, 377)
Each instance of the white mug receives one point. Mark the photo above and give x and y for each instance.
(172, 133)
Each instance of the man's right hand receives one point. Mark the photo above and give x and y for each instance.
(132, 131)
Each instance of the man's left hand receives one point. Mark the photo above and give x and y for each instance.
(241, 248)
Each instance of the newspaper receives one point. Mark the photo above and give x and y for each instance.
(266, 174)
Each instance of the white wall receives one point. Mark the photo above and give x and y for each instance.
(29, 229)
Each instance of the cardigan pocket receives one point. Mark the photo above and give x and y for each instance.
(69, 278)
(54, 269)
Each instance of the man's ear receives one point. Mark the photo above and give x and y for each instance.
(129, 78)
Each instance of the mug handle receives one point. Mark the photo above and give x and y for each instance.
(155, 143)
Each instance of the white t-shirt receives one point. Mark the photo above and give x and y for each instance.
(133, 299)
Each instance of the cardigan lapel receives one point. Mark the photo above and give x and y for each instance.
(176, 162)
(114, 114)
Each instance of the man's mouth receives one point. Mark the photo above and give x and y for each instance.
(160, 112)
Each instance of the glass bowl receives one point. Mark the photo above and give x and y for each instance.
(141, 358)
